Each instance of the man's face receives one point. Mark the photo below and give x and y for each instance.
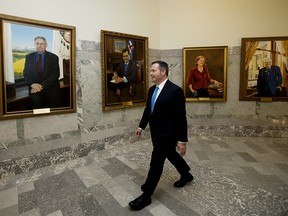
(126, 56)
(268, 64)
(40, 45)
(157, 76)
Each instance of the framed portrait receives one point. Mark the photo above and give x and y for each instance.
(124, 60)
(264, 68)
(205, 73)
(33, 84)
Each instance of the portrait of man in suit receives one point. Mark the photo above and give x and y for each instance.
(124, 70)
(124, 76)
(41, 74)
(269, 80)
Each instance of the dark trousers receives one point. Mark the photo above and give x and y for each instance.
(113, 87)
(156, 167)
(203, 93)
(47, 98)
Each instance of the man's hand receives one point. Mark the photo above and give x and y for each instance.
(181, 147)
(115, 76)
(36, 87)
(193, 91)
(119, 80)
(279, 88)
(138, 132)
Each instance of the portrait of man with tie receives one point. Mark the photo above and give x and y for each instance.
(124, 76)
(269, 80)
(41, 73)
(124, 70)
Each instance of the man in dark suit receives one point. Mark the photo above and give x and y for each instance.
(125, 75)
(269, 80)
(168, 127)
(41, 73)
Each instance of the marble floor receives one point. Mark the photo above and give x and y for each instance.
(233, 176)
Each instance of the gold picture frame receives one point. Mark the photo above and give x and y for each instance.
(216, 65)
(256, 53)
(132, 89)
(16, 42)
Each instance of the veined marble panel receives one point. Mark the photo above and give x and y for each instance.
(232, 107)
(46, 125)
(198, 108)
(267, 108)
(174, 60)
(8, 131)
(35, 146)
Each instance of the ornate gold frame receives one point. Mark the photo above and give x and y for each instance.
(15, 94)
(216, 62)
(110, 59)
(253, 53)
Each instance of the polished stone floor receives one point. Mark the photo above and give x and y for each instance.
(233, 176)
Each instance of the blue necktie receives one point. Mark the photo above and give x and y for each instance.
(154, 98)
(125, 68)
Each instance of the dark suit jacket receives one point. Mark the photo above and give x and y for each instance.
(51, 70)
(168, 123)
(268, 84)
(131, 71)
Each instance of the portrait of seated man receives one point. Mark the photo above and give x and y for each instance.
(124, 76)
(41, 74)
(200, 82)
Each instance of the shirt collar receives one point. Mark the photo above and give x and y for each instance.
(161, 85)
(41, 54)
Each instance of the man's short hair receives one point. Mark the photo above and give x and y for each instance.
(125, 50)
(40, 37)
(162, 66)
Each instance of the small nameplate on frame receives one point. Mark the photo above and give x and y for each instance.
(41, 111)
(128, 103)
(203, 98)
(265, 99)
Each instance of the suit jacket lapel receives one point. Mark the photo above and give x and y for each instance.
(34, 59)
(33, 62)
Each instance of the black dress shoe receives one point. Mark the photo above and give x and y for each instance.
(183, 180)
(140, 202)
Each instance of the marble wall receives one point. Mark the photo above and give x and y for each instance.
(31, 143)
